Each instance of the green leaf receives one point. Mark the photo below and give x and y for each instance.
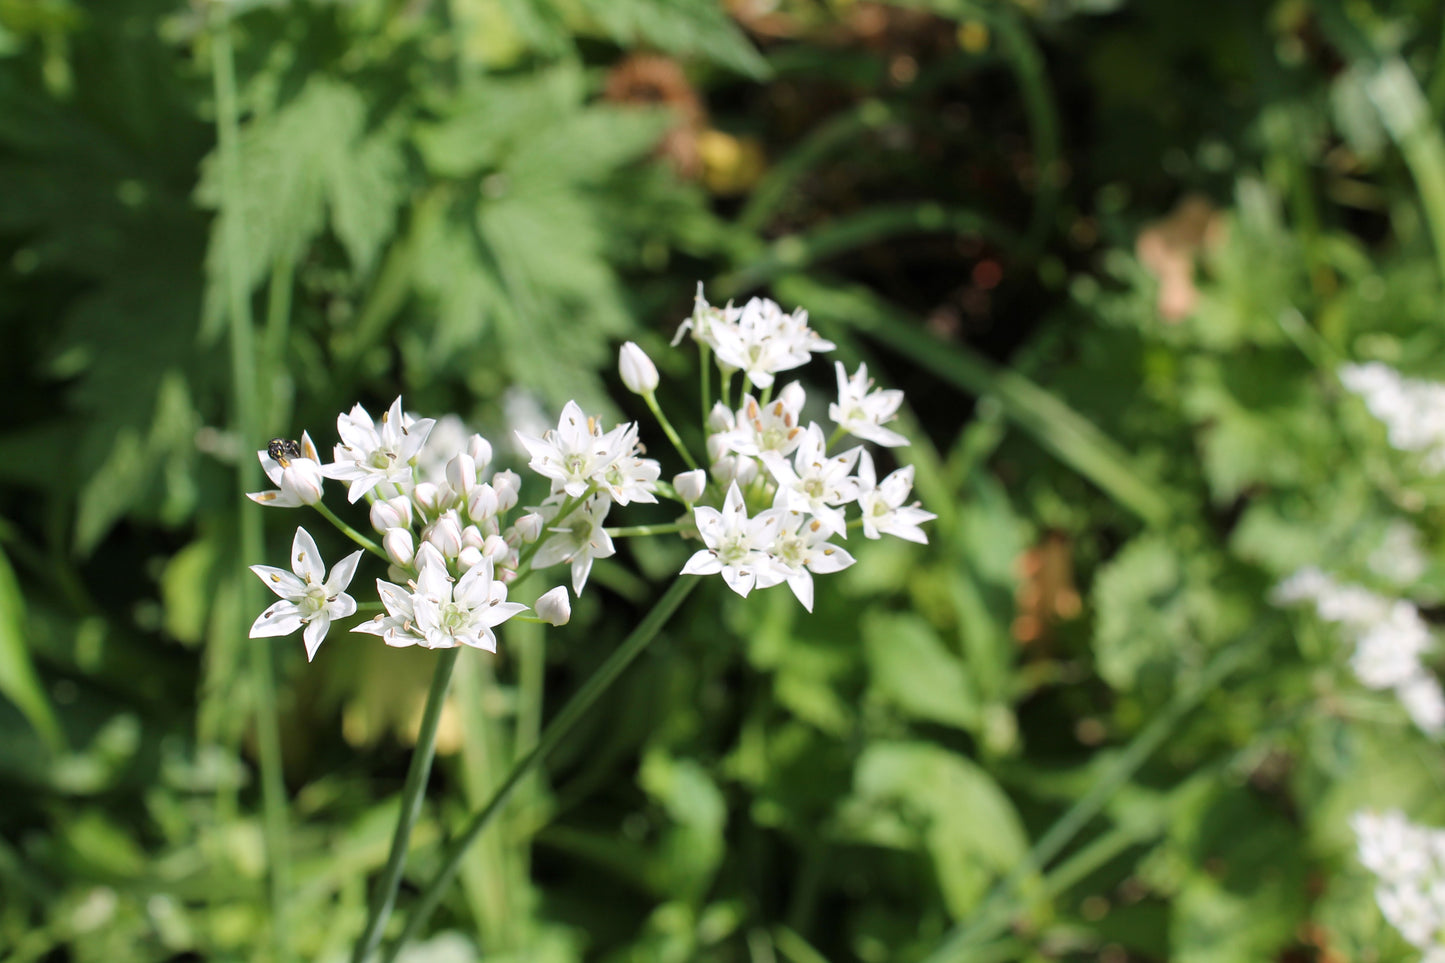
(913, 670)
(18, 681)
(700, 27)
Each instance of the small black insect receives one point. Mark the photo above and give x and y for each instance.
(279, 448)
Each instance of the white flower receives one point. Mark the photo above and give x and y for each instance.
(883, 510)
(1400, 558)
(815, 483)
(299, 479)
(1413, 410)
(577, 453)
(738, 547)
(803, 548)
(704, 318)
(369, 455)
(308, 597)
(1387, 653)
(629, 478)
(440, 613)
(639, 374)
(553, 607)
(764, 341)
(578, 539)
(1423, 700)
(759, 428)
(863, 413)
(1390, 846)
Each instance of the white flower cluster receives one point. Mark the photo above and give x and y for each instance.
(1413, 410)
(454, 539)
(1409, 861)
(763, 454)
(1389, 639)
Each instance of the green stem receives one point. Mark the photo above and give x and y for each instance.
(838, 435)
(580, 702)
(706, 356)
(993, 916)
(630, 531)
(524, 558)
(247, 425)
(350, 532)
(668, 430)
(413, 792)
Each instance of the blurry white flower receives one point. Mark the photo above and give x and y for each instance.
(863, 413)
(529, 527)
(299, 479)
(738, 547)
(578, 539)
(638, 372)
(737, 470)
(1400, 558)
(883, 510)
(704, 318)
(1412, 410)
(803, 548)
(441, 613)
(554, 607)
(764, 341)
(308, 597)
(1387, 652)
(1423, 700)
(369, 455)
(813, 482)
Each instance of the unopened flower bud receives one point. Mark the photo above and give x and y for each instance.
(720, 418)
(431, 498)
(735, 468)
(495, 548)
(481, 451)
(717, 446)
(529, 526)
(690, 485)
(508, 484)
(399, 546)
(482, 503)
(473, 537)
(554, 607)
(462, 473)
(389, 513)
(469, 557)
(639, 374)
(446, 534)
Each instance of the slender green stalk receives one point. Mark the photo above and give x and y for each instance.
(668, 430)
(794, 948)
(629, 531)
(350, 532)
(413, 792)
(247, 426)
(592, 689)
(706, 362)
(993, 916)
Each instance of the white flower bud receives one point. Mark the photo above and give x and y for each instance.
(481, 451)
(639, 374)
(462, 473)
(529, 526)
(399, 546)
(469, 557)
(495, 548)
(508, 485)
(431, 498)
(390, 513)
(717, 446)
(446, 535)
(690, 485)
(735, 468)
(472, 537)
(482, 503)
(554, 607)
(720, 418)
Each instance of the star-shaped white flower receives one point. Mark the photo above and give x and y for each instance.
(308, 597)
(442, 613)
(577, 452)
(764, 341)
(299, 480)
(803, 548)
(369, 455)
(739, 548)
(630, 478)
(883, 510)
(759, 428)
(704, 318)
(578, 539)
(815, 483)
(863, 413)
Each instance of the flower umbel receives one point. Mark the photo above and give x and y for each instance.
(308, 596)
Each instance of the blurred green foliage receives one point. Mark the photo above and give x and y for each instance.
(1071, 728)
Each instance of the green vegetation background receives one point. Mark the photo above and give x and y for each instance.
(1113, 249)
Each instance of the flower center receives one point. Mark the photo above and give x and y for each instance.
(313, 601)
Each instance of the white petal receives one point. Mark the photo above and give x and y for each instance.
(306, 559)
(315, 634)
(275, 499)
(501, 612)
(740, 580)
(341, 574)
(282, 618)
(802, 585)
(340, 606)
(830, 558)
(280, 581)
(702, 563)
